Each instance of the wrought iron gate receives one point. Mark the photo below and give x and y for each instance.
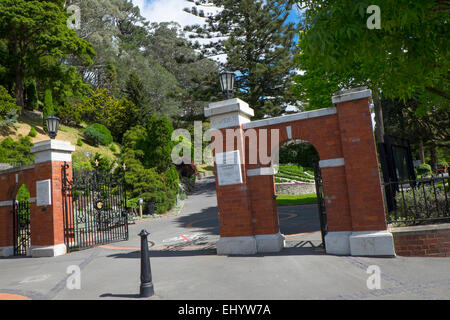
(320, 201)
(21, 227)
(95, 211)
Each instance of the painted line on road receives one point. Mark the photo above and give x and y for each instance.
(299, 234)
(10, 296)
(291, 215)
(185, 238)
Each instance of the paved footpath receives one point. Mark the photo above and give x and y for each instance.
(185, 266)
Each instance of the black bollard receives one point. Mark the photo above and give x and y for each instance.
(146, 289)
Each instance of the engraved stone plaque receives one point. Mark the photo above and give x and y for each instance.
(228, 168)
(43, 193)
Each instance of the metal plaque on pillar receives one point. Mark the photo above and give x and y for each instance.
(43, 193)
(228, 168)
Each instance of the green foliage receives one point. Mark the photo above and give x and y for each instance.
(157, 144)
(23, 194)
(406, 58)
(79, 142)
(39, 32)
(31, 95)
(104, 163)
(48, 107)
(96, 134)
(290, 200)
(80, 161)
(16, 151)
(303, 154)
(113, 148)
(32, 132)
(424, 170)
(117, 115)
(424, 202)
(150, 173)
(9, 111)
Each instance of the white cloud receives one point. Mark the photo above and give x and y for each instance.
(168, 11)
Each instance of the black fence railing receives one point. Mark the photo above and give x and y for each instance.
(421, 201)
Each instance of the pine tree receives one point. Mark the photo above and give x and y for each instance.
(258, 42)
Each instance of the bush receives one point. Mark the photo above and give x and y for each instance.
(421, 202)
(79, 142)
(424, 170)
(32, 132)
(9, 111)
(98, 134)
(113, 148)
(16, 151)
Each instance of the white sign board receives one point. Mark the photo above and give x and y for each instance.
(228, 168)
(44, 193)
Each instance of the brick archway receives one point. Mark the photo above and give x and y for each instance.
(343, 137)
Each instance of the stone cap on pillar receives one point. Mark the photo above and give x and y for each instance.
(52, 150)
(351, 94)
(228, 113)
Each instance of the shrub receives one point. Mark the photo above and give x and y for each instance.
(424, 169)
(9, 111)
(421, 202)
(16, 151)
(98, 134)
(113, 148)
(32, 132)
(79, 142)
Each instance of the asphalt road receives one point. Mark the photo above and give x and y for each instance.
(185, 266)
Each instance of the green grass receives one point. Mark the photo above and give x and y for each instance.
(289, 200)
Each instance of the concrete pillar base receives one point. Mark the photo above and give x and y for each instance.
(372, 243)
(338, 243)
(236, 245)
(6, 251)
(48, 251)
(270, 242)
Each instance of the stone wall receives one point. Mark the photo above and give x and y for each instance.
(295, 188)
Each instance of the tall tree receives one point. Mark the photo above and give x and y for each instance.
(258, 41)
(196, 75)
(32, 30)
(406, 57)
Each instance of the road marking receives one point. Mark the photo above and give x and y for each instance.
(10, 296)
(36, 278)
(185, 238)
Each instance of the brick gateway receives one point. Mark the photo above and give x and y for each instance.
(343, 137)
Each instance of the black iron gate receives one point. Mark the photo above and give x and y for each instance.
(320, 201)
(95, 211)
(21, 227)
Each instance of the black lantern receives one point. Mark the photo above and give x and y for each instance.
(52, 126)
(227, 83)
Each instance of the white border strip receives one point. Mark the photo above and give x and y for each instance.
(331, 163)
(291, 117)
(6, 203)
(266, 171)
(349, 95)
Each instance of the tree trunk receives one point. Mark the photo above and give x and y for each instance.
(433, 158)
(379, 132)
(421, 151)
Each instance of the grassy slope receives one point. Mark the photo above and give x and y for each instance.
(65, 133)
(289, 200)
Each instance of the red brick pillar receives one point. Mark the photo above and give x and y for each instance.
(233, 201)
(47, 228)
(368, 234)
